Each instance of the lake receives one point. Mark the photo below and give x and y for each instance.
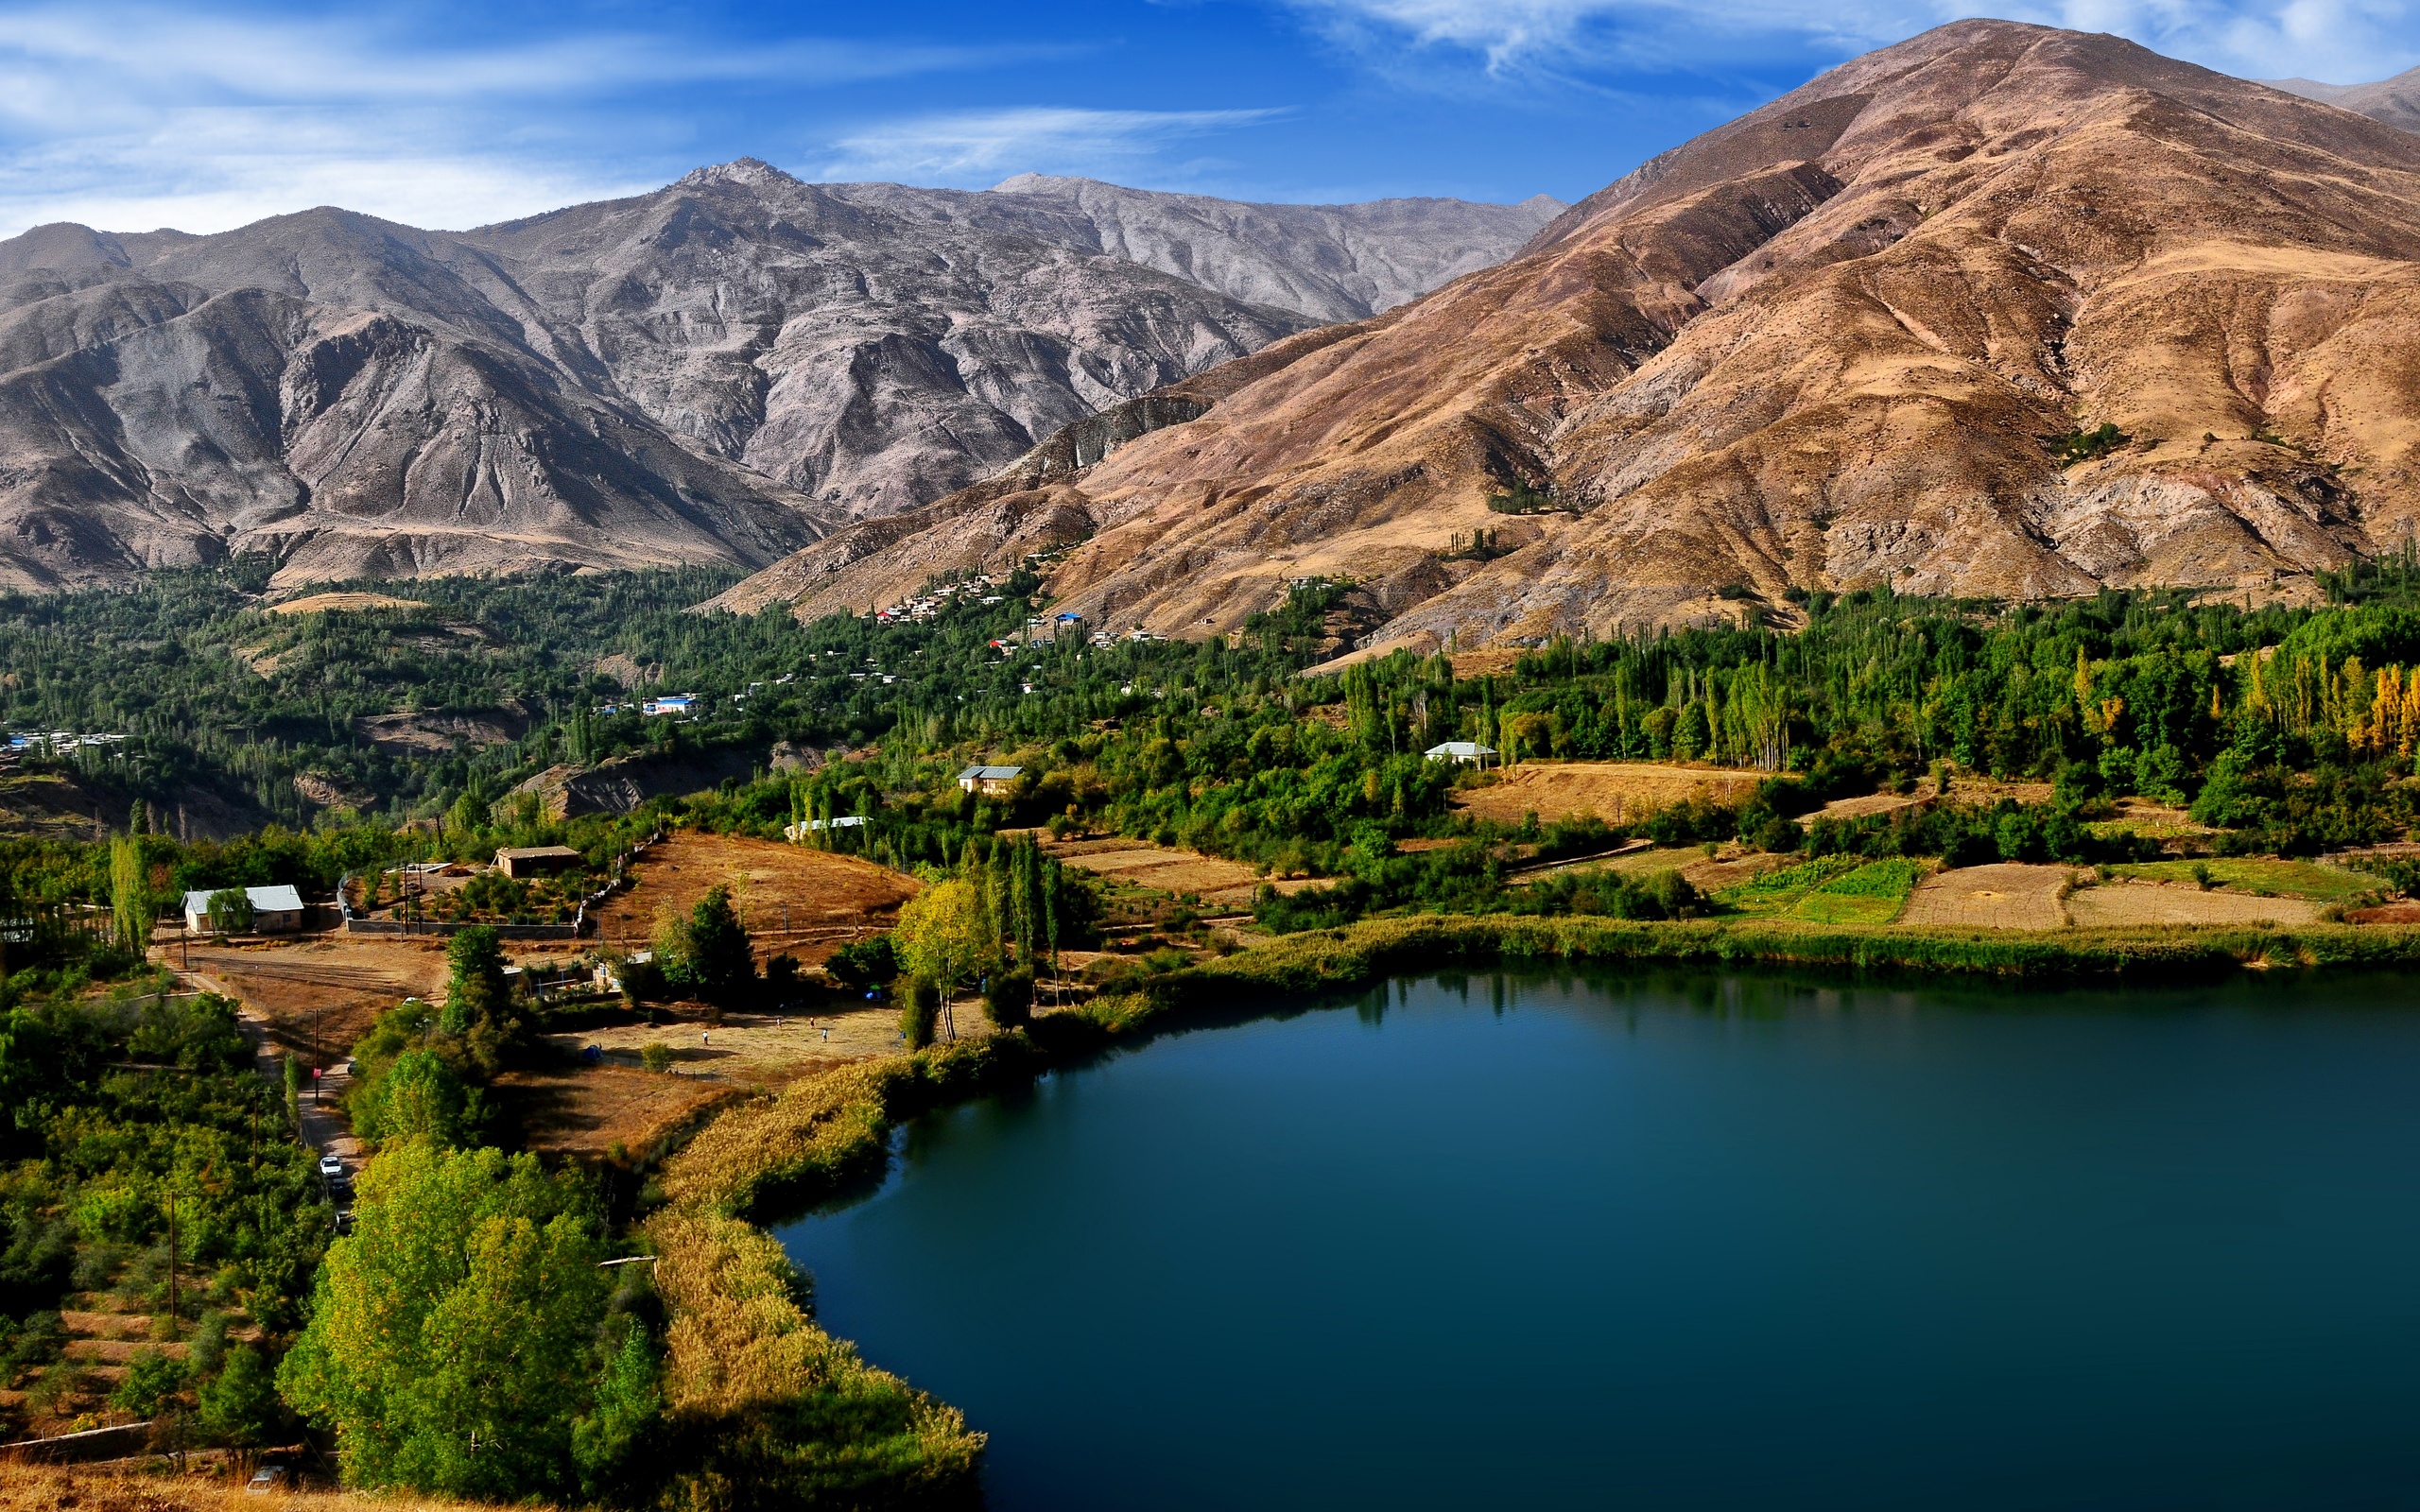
(1679, 1240)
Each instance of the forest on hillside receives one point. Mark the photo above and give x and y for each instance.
(2290, 730)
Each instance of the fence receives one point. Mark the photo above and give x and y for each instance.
(356, 924)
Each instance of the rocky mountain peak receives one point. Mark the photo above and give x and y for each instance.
(750, 173)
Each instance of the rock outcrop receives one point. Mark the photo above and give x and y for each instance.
(2001, 310)
(723, 371)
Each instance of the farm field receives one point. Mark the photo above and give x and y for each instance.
(1836, 889)
(2313, 880)
(2170, 902)
(2004, 896)
(1169, 869)
(792, 897)
(1613, 791)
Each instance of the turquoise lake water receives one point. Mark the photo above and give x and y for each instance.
(1683, 1239)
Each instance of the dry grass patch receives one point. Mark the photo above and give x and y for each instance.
(1616, 792)
(2152, 902)
(2004, 896)
(325, 603)
(149, 1486)
(792, 897)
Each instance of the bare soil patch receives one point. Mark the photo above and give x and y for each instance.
(1165, 869)
(2005, 896)
(324, 603)
(1616, 792)
(321, 989)
(1172, 869)
(792, 898)
(2168, 902)
(1872, 803)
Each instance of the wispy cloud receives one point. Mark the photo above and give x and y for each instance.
(966, 147)
(1520, 41)
(133, 117)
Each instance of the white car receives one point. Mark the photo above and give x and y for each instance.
(268, 1477)
(331, 1167)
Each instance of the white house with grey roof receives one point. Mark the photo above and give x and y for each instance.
(275, 910)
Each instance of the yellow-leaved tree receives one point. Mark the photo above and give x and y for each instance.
(944, 935)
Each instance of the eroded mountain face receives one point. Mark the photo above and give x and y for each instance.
(722, 370)
(1868, 334)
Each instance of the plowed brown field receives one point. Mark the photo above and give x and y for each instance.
(1616, 792)
(792, 898)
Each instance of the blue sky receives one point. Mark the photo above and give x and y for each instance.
(205, 116)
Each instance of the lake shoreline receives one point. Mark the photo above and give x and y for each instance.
(813, 1141)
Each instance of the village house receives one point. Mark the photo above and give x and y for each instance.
(992, 781)
(275, 910)
(1461, 752)
(518, 862)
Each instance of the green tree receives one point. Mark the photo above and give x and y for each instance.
(721, 966)
(230, 910)
(239, 1407)
(450, 1346)
(130, 897)
(418, 1096)
(478, 1000)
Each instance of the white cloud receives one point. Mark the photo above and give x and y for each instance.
(969, 146)
(2344, 41)
(135, 117)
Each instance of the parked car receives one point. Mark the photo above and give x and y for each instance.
(331, 1167)
(268, 1477)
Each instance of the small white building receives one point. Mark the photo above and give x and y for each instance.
(1462, 753)
(989, 779)
(796, 833)
(671, 703)
(275, 910)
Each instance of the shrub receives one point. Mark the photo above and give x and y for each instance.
(863, 964)
(919, 1008)
(656, 1057)
(1009, 1002)
(151, 1377)
(2083, 446)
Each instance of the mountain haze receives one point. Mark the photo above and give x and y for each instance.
(722, 370)
(1854, 338)
(2395, 101)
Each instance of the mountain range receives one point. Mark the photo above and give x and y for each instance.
(721, 372)
(2395, 101)
(2001, 310)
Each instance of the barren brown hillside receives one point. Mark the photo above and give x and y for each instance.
(1833, 344)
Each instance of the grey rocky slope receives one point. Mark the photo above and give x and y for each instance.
(722, 370)
(1334, 262)
(2395, 101)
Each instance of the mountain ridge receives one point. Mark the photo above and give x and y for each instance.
(719, 371)
(1862, 336)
